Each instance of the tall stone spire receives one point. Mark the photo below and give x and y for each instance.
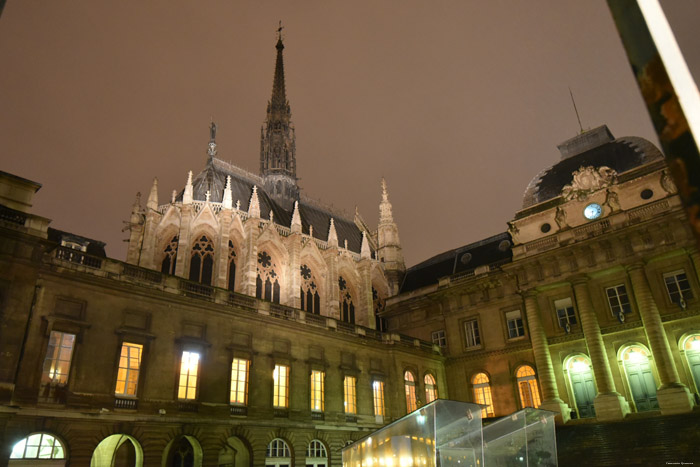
(254, 205)
(277, 139)
(388, 243)
(152, 202)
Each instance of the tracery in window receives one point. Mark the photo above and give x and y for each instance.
(310, 299)
(231, 266)
(202, 261)
(379, 304)
(167, 266)
(347, 306)
(267, 285)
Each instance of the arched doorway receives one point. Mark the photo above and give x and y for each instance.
(117, 451)
(635, 361)
(183, 451)
(691, 347)
(234, 454)
(582, 384)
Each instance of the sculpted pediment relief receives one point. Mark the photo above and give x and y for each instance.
(587, 180)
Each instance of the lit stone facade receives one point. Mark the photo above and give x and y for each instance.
(594, 287)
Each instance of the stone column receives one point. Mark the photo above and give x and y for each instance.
(673, 396)
(294, 248)
(543, 360)
(609, 404)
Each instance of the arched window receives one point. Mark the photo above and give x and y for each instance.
(482, 393)
(347, 307)
(527, 386)
(170, 256)
(409, 382)
(316, 454)
(310, 299)
(231, 266)
(38, 446)
(278, 454)
(379, 304)
(431, 392)
(184, 451)
(202, 261)
(267, 285)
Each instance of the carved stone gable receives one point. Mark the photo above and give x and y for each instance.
(587, 180)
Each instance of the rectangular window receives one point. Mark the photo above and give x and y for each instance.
(565, 312)
(471, 330)
(514, 320)
(189, 372)
(378, 393)
(129, 367)
(280, 396)
(678, 287)
(350, 396)
(317, 383)
(618, 300)
(239, 381)
(439, 338)
(58, 357)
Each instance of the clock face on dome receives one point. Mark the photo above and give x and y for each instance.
(592, 211)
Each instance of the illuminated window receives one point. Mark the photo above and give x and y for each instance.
(439, 338)
(189, 372)
(618, 300)
(482, 393)
(317, 381)
(278, 454)
(57, 362)
(240, 368)
(527, 386)
(129, 367)
(565, 313)
(678, 287)
(378, 395)
(202, 261)
(514, 320)
(471, 331)
(167, 266)
(316, 454)
(350, 395)
(280, 397)
(38, 446)
(410, 386)
(430, 389)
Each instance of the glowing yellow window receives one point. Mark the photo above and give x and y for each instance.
(189, 373)
(410, 386)
(527, 386)
(239, 381)
(430, 389)
(129, 368)
(482, 393)
(350, 395)
(317, 382)
(378, 393)
(280, 397)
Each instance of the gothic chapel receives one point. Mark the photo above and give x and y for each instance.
(259, 236)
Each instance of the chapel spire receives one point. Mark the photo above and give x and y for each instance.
(277, 139)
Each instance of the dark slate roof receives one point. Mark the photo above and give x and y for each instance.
(492, 250)
(594, 148)
(213, 179)
(94, 247)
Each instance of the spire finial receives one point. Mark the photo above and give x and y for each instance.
(365, 252)
(279, 32)
(228, 198)
(189, 189)
(254, 205)
(296, 219)
(385, 215)
(152, 202)
(212, 139)
(332, 235)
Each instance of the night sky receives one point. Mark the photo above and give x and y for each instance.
(459, 104)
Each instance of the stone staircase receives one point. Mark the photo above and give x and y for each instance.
(642, 439)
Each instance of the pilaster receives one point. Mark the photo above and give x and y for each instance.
(331, 257)
(252, 232)
(221, 266)
(609, 404)
(365, 299)
(183, 244)
(673, 396)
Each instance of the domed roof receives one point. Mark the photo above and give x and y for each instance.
(597, 148)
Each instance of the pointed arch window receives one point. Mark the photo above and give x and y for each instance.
(527, 386)
(409, 382)
(167, 266)
(431, 392)
(231, 266)
(379, 305)
(310, 298)
(347, 306)
(202, 261)
(267, 285)
(482, 393)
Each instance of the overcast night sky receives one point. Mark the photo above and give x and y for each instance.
(457, 103)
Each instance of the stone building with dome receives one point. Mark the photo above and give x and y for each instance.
(587, 305)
